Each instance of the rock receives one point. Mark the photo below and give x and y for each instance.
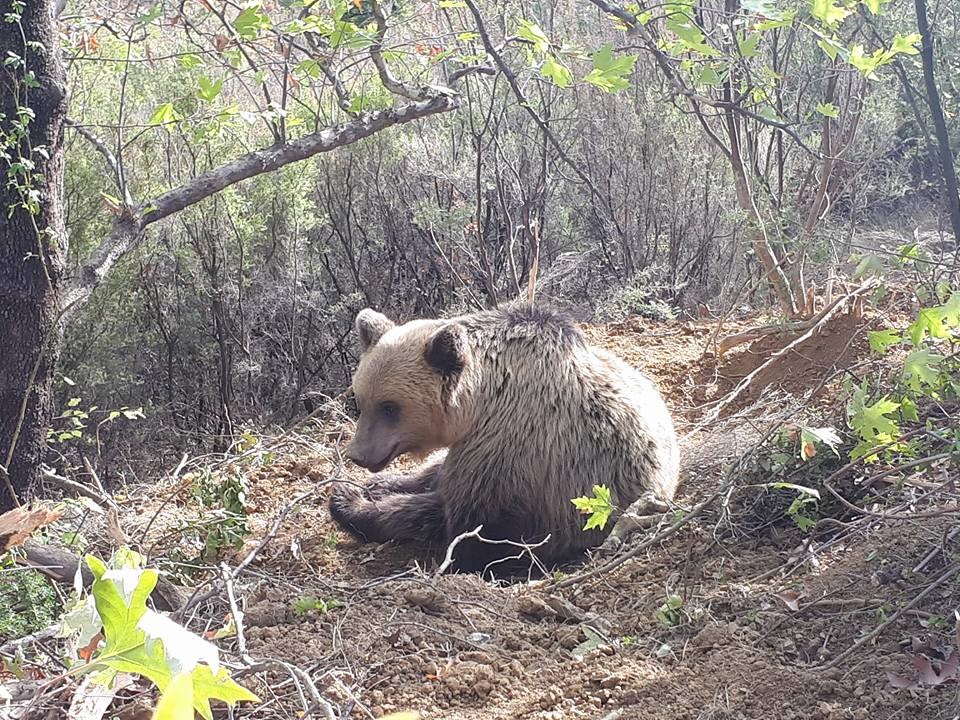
(426, 598)
(611, 681)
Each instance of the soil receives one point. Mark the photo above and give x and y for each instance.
(753, 634)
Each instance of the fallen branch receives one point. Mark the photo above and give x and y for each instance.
(643, 513)
(73, 486)
(731, 341)
(300, 677)
(616, 562)
(475, 534)
(946, 577)
(61, 565)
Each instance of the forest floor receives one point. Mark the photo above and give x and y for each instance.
(769, 621)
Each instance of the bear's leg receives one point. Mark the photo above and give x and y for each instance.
(411, 514)
(385, 484)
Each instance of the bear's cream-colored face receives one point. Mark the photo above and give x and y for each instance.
(403, 386)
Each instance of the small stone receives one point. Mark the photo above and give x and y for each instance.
(611, 681)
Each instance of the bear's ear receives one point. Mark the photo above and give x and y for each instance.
(447, 350)
(371, 326)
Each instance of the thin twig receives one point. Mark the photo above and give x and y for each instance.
(475, 533)
(875, 633)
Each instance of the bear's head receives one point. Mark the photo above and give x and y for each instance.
(405, 387)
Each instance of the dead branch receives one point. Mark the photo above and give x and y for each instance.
(101, 147)
(72, 486)
(616, 562)
(278, 521)
(644, 512)
(61, 565)
(946, 577)
(475, 533)
(731, 341)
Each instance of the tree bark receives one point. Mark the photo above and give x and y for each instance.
(33, 242)
(947, 167)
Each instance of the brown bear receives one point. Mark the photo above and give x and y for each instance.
(532, 417)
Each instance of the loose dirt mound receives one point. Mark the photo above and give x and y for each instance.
(741, 639)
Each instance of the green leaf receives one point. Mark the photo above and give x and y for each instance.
(176, 702)
(207, 687)
(828, 110)
(556, 71)
(251, 21)
(209, 89)
(593, 641)
(532, 33)
(164, 115)
(708, 76)
(869, 265)
(150, 16)
(611, 73)
(929, 322)
(831, 47)
(882, 340)
(866, 64)
(950, 310)
(599, 507)
(922, 367)
(872, 422)
(875, 6)
(909, 410)
(121, 598)
(748, 45)
(190, 61)
(828, 12)
(906, 45)
(777, 20)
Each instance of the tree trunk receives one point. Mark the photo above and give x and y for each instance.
(32, 236)
(939, 124)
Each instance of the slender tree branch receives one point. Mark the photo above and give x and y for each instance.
(681, 88)
(128, 228)
(376, 54)
(111, 159)
(511, 77)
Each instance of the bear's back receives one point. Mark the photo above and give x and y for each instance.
(550, 417)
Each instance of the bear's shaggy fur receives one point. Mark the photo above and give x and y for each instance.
(532, 417)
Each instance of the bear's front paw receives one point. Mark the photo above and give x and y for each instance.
(344, 500)
(381, 485)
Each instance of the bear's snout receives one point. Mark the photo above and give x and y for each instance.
(371, 459)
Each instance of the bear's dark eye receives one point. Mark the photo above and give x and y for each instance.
(390, 410)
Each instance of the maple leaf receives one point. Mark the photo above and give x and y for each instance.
(880, 340)
(929, 322)
(922, 367)
(599, 507)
